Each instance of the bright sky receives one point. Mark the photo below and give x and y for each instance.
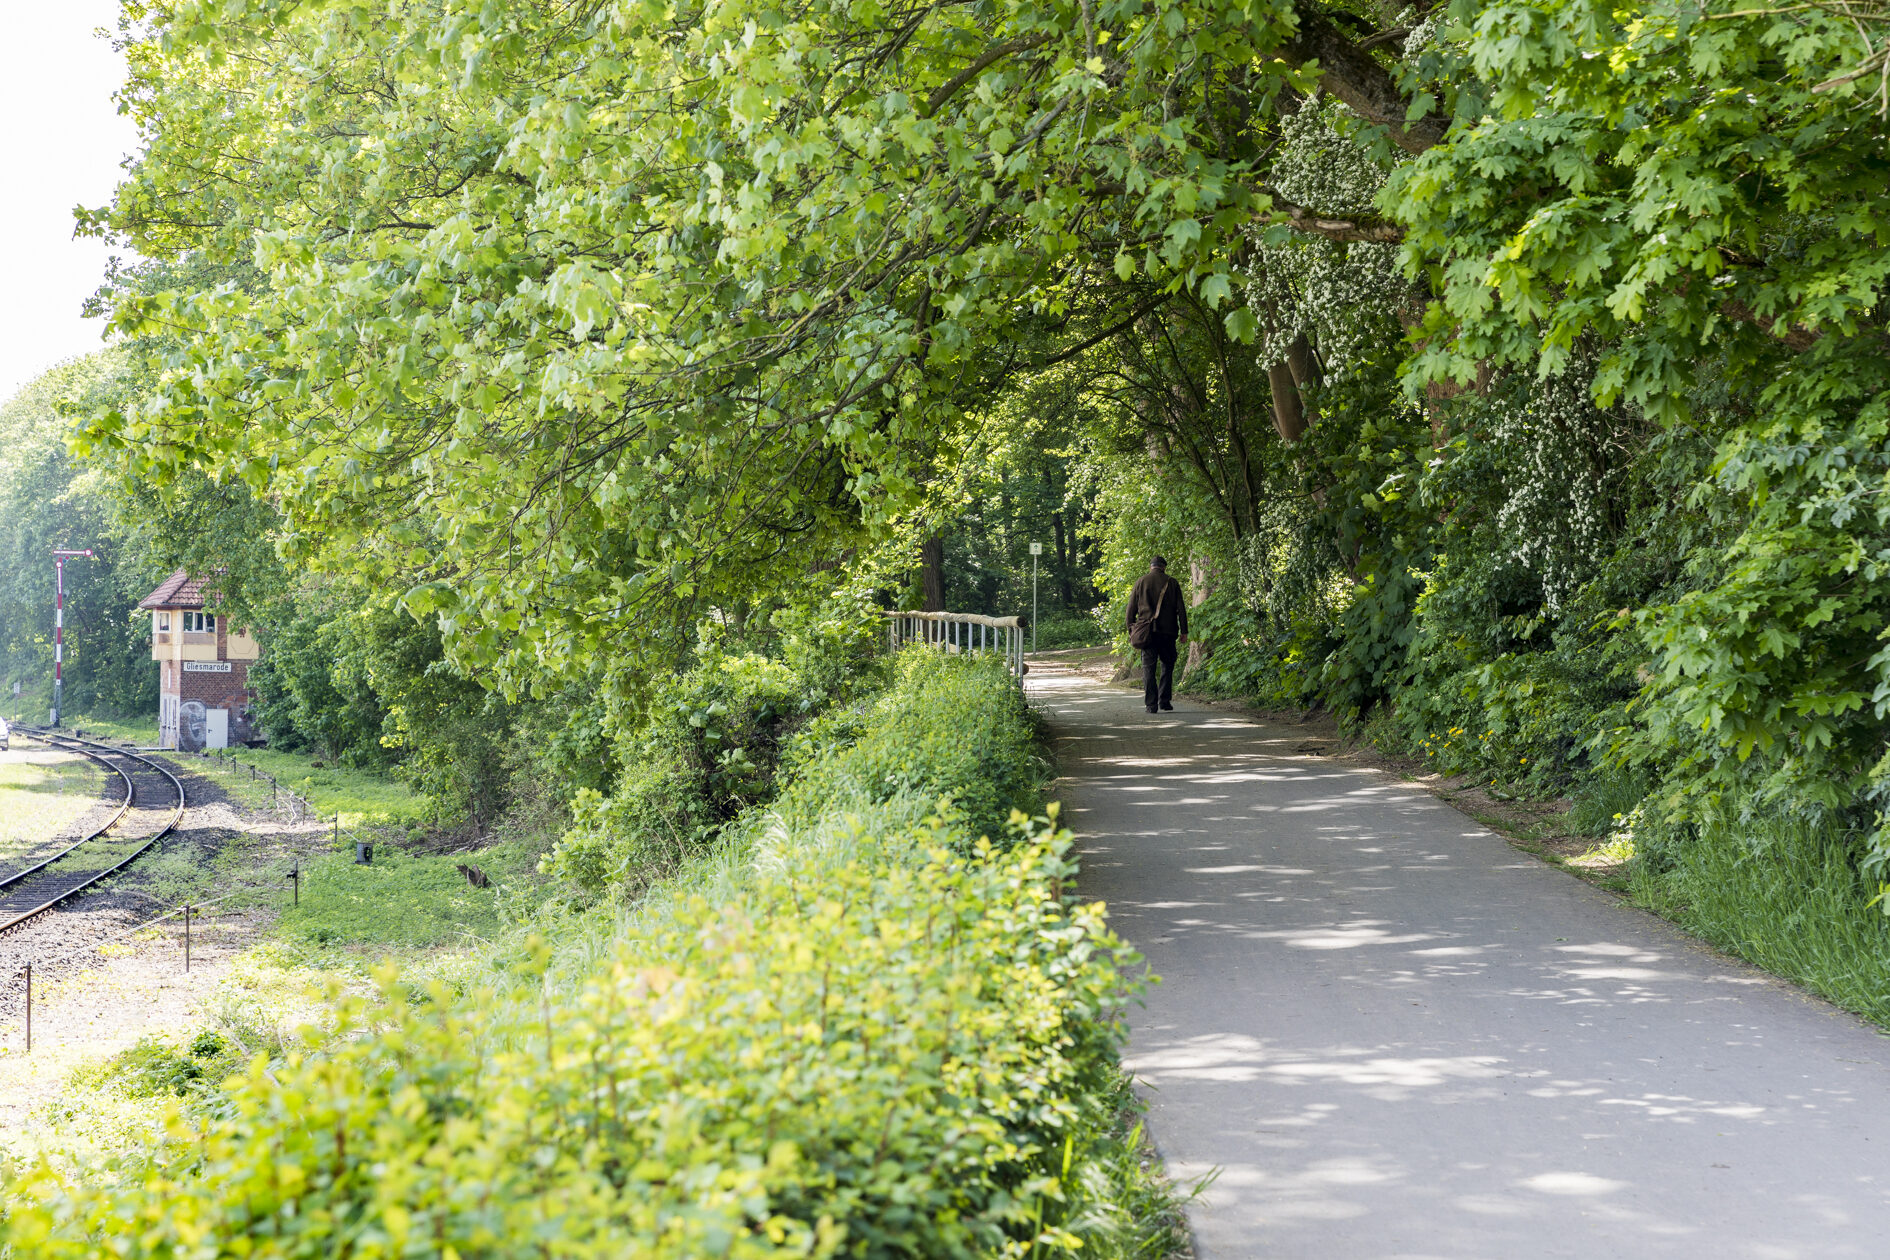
(60, 148)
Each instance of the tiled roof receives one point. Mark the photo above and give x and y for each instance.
(179, 590)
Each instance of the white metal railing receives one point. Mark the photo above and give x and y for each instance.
(961, 632)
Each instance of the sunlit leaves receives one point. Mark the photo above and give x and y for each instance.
(1669, 184)
(639, 301)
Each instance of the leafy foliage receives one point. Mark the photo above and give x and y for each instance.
(569, 313)
(154, 1068)
(952, 734)
(873, 1036)
(1704, 201)
(718, 743)
(47, 502)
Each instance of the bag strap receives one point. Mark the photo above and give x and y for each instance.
(1163, 601)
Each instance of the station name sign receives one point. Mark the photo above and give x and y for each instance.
(206, 667)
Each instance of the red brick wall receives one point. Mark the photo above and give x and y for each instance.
(229, 691)
(217, 691)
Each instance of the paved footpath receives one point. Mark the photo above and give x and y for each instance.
(1394, 1035)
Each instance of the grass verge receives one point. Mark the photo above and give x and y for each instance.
(140, 732)
(40, 799)
(412, 900)
(1784, 896)
(361, 797)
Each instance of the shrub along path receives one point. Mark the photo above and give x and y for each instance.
(1397, 1036)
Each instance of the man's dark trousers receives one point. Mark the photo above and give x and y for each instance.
(1159, 651)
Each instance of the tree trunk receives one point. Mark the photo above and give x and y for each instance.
(932, 574)
(1301, 362)
(1350, 73)
(1201, 585)
(1063, 563)
(1287, 416)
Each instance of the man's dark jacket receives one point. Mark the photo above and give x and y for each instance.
(1173, 621)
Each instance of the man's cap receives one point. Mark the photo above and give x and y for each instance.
(1159, 562)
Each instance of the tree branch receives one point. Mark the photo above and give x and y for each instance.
(1349, 73)
(944, 91)
(1066, 355)
(1368, 228)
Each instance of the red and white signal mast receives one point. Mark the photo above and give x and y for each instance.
(60, 556)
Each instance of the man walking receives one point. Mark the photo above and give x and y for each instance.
(1158, 621)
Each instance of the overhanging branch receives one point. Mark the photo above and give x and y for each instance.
(1351, 74)
(1368, 228)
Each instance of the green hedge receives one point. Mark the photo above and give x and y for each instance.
(951, 728)
(727, 733)
(859, 1035)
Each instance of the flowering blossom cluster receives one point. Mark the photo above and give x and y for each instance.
(1345, 298)
(1555, 477)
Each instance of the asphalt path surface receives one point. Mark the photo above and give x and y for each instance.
(1393, 1035)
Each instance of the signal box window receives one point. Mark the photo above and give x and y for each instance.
(164, 623)
(198, 623)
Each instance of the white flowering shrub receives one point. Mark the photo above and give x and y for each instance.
(1559, 463)
(1289, 567)
(1346, 298)
(1319, 167)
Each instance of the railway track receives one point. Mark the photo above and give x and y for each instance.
(152, 806)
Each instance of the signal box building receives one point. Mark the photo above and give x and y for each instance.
(204, 696)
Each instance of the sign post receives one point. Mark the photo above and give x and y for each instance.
(1036, 549)
(60, 556)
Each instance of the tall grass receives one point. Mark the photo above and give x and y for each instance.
(360, 796)
(1785, 896)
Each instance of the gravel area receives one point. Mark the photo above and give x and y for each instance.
(90, 1002)
(97, 1004)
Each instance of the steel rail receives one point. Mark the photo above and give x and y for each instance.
(177, 814)
(111, 822)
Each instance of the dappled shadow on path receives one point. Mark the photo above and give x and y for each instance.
(1394, 1035)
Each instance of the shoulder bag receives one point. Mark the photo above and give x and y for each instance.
(1144, 628)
